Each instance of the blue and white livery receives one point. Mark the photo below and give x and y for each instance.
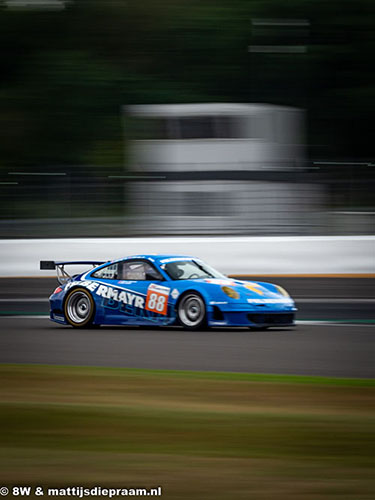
(164, 290)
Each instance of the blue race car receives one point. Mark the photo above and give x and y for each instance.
(164, 290)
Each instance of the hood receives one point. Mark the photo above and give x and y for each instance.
(252, 291)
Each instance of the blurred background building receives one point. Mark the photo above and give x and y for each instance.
(93, 143)
(220, 168)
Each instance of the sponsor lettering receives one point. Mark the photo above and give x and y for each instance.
(58, 318)
(122, 296)
(217, 281)
(90, 285)
(174, 259)
(270, 301)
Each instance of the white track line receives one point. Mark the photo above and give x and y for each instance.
(333, 323)
(25, 300)
(298, 323)
(21, 316)
(330, 300)
(304, 300)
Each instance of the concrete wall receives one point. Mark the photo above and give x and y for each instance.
(231, 255)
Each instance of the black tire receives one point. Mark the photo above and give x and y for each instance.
(79, 308)
(191, 311)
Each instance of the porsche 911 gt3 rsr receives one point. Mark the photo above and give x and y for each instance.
(164, 290)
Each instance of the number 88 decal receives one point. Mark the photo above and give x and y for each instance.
(157, 299)
(156, 302)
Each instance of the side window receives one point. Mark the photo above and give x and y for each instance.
(139, 270)
(108, 272)
(134, 270)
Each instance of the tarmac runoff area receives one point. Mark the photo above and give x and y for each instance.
(334, 335)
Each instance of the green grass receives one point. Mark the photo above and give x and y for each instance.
(199, 435)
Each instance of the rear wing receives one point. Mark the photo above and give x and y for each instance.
(62, 276)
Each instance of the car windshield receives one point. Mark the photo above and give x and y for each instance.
(190, 269)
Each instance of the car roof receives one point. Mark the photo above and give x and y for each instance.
(156, 257)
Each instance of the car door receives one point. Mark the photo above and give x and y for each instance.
(132, 291)
(147, 283)
(110, 297)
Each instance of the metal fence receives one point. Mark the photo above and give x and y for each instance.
(330, 199)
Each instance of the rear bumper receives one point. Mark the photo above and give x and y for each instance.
(56, 309)
(58, 317)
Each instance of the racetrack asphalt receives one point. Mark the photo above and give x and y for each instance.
(321, 347)
(307, 349)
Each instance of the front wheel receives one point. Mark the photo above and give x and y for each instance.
(79, 308)
(191, 311)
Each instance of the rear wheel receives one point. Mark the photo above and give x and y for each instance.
(191, 311)
(79, 308)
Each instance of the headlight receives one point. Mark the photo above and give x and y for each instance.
(230, 292)
(282, 291)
